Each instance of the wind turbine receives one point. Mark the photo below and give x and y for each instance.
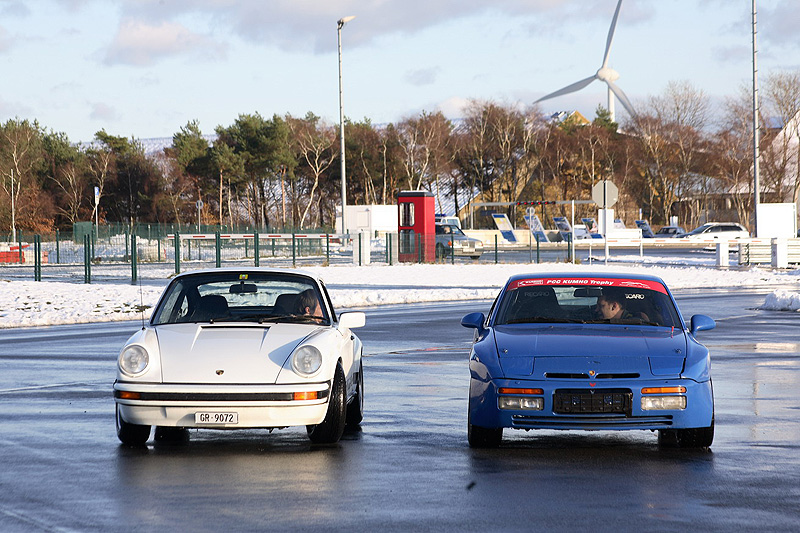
(605, 74)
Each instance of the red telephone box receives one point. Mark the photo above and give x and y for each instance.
(416, 227)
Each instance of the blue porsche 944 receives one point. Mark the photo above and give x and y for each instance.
(589, 352)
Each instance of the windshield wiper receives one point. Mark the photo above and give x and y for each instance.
(544, 319)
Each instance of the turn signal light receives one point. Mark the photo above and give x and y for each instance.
(663, 390)
(312, 395)
(126, 395)
(508, 390)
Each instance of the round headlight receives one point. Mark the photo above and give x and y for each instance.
(133, 360)
(306, 360)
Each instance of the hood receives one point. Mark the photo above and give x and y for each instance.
(227, 353)
(610, 351)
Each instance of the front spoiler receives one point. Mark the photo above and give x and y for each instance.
(484, 410)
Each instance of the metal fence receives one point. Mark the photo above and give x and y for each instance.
(150, 253)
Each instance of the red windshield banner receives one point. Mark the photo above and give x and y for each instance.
(589, 282)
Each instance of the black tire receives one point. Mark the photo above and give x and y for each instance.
(476, 257)
(481, 437)
(330, 430)
(687, 438)
(171, 434)
(131, 434)
(355, 409)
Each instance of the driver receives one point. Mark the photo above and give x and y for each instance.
(308, 305)
(611, 305)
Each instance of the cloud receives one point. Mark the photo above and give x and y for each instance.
(141, 44)
(310, 25)
(103, 112)
(423, 76)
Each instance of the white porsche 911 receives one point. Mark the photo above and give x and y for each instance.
(241, 348)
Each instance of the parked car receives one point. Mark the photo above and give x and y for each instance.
(241, 348)
(443, 219)
(451, 240)
(589, 352)
(665, 232)
(717, 230)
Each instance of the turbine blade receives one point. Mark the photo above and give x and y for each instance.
(611, 34)
(622, 98)
(577, 86)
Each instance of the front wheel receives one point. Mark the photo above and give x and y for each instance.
(440, 251)
(131, 434)
(481, 437)
(330, 430)
(687, 438)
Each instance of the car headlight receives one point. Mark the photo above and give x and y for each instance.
(306, 360)
(657, 403)
(133, 360)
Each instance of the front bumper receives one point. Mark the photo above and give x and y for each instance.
(257, 406)
(484, 410)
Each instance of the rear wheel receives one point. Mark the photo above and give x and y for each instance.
(131, 434)
(355, 409)
(687, 438)
(330, 430)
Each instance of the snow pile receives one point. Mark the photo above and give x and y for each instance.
(28, 303)
(782, 300)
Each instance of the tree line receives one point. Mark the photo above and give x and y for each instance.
(676, 157)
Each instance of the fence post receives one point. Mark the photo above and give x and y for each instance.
(360, 248)
(537, 251)
(389, 248)
(37, 260)
(294, 252)
(158, 241)
(21, 253)
(127, 250)
(177, 253)
(256, 250)
(218, 246)
(134, 259)
(87, 263)
(58, 247)
(328, 249)
(495, 249)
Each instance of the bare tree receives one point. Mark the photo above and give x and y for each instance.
(782, 90)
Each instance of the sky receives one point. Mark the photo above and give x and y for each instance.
(30, 303)
(144, 68)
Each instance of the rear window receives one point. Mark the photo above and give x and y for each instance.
(586, 301)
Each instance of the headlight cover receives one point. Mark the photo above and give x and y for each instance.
(306, 360)
(133, 360)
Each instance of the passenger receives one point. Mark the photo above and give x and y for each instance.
(611, 306)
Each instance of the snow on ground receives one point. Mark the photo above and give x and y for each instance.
(29, 303)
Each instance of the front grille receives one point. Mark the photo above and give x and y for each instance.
(592, 401)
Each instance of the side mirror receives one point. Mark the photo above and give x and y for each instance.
(352, 319)
(474, 321)
(702, 322)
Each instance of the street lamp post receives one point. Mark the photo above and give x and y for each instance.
(339, 25)
(756, 155)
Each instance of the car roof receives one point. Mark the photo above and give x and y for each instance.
(586, 275)
(246, 269)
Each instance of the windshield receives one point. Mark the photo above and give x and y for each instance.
(702, 229)
(242, 297)
(587, 301)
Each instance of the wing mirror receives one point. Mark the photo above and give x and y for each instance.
(352, 319)
(474, 321)
(702, 322)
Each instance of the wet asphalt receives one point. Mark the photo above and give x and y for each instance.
(408, 468)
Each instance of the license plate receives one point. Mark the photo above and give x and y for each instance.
(216, 418)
